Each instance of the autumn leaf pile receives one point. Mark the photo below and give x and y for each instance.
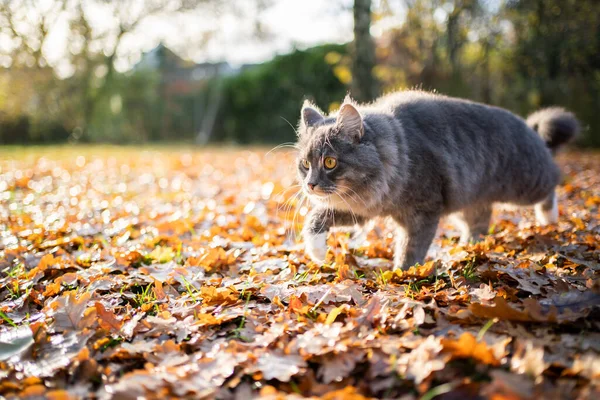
(128, 273)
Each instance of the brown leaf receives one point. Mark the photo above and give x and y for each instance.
(501, 310)
(508, 386)
(335, 367)
(527, 278)
(423, 360)
(158, 290)
(107, 319)
(528, 359)
(70, 312)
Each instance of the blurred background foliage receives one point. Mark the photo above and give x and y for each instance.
(518, 54)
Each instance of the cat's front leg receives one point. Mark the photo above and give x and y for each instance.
(413, 238)
(317, 225)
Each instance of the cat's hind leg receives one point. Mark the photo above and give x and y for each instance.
(546, 211)
(473, 222)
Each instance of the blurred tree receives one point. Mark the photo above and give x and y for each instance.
(92, 51)
(29, 89)
(556, 57)
(462, 14)
(262, 104)
(520, 54)
(95, 70)
(364, 83)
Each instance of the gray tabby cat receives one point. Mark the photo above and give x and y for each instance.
(417, 156)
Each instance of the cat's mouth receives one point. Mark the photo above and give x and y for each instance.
(320, 193)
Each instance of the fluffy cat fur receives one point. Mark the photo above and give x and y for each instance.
(417, 156)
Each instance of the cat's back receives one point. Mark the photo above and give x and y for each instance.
(474, 151)
(435, 107)
(441, 118)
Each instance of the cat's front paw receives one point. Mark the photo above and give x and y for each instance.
(315, 246)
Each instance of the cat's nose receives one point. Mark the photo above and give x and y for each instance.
(311, 186)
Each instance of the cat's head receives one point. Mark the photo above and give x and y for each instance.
(337, 163)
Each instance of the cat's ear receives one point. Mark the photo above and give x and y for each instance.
(310, 115)
(350, 122)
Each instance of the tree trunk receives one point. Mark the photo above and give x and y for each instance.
(364, 84)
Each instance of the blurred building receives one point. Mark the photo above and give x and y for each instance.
(184, 87)
(181, 76)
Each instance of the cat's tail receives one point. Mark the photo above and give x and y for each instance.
(555, 125)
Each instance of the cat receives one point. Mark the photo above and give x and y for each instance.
(417, 156)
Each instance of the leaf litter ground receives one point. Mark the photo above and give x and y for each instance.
(177, 274)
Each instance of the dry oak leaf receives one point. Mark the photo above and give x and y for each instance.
(218, 296)
(423, 360)
(468, 347)
(70, 312)
(335, 367)
(528, 359)
(107, 319)
(508, 386)
(419, 271)
(501, 310)
(46, 261)
(483, 293)
(213, 259)
(280, 366)
(527, 278)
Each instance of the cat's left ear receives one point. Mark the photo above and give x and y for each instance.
(350, 122)
(310, 115)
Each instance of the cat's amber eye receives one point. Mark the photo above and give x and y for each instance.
(330, 162)
(305, 163)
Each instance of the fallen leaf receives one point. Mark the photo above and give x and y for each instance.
(468, 347)
(107, 319)
(70, 312)
(279, 366)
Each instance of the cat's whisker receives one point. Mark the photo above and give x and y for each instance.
(281, 146)
(289, 203)
(354, 218)
(298, 208)
(280, 206)
(354, 192)
(291, 126)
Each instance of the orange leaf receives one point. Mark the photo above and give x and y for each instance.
(52, 289)
(347, 393)
(59, 395)
(295, 304)
(218, 296)
(207, 319)
(46, 261)
(468, 347)
(107, 319)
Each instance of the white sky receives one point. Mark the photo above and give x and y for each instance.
(287, 23)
